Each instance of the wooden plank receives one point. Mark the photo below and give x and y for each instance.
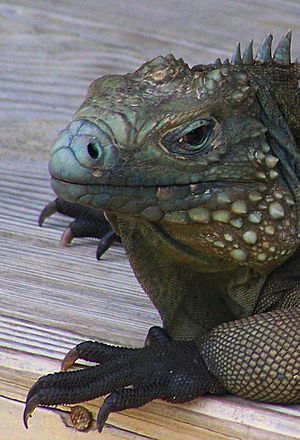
(69, 45)
(40, 426)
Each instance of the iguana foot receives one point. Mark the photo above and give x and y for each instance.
(165, 369)
(88, 222)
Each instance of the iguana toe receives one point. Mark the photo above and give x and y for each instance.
(88, 222)
(66, 237)
(50, 209)
(70, 358)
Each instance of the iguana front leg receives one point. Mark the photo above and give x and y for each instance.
(257, 357)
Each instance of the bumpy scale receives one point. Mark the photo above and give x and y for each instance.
(197, 170)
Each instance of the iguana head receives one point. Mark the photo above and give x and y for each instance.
(190, 150)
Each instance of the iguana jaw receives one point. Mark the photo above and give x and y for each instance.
(173, 203)
(238, 223)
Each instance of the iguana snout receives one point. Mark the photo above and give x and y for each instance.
(85, 144)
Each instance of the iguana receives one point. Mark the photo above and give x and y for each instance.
(197, 170)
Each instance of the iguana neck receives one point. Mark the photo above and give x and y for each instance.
(181, 282)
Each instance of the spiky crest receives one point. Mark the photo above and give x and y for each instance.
(282, 54)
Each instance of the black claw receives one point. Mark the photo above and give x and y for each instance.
(106, 242)
(49, 210)
(95, 352)
(166, 369)
(31, 404)
(78, 386)
(88, 222)
(100, 353)
(129, 398)
(77, 211)
(103, 413)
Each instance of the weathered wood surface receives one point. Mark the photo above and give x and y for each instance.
(51, 298)
(51, 50)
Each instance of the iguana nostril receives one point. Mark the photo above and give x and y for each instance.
(94, 150)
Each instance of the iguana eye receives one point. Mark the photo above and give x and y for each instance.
(190, 140)
(195, 137)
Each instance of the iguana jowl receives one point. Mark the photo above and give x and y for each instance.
(197, 170)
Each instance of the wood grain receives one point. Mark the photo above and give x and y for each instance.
(40, 426)
(51, 51)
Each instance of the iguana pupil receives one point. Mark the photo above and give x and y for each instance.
(196, 136)
(192, 140)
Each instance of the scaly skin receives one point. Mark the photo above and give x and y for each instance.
(197, 172)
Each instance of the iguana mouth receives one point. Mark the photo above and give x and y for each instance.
(154, 203)
(204, 184)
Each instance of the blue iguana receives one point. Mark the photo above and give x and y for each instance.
(197, 171)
